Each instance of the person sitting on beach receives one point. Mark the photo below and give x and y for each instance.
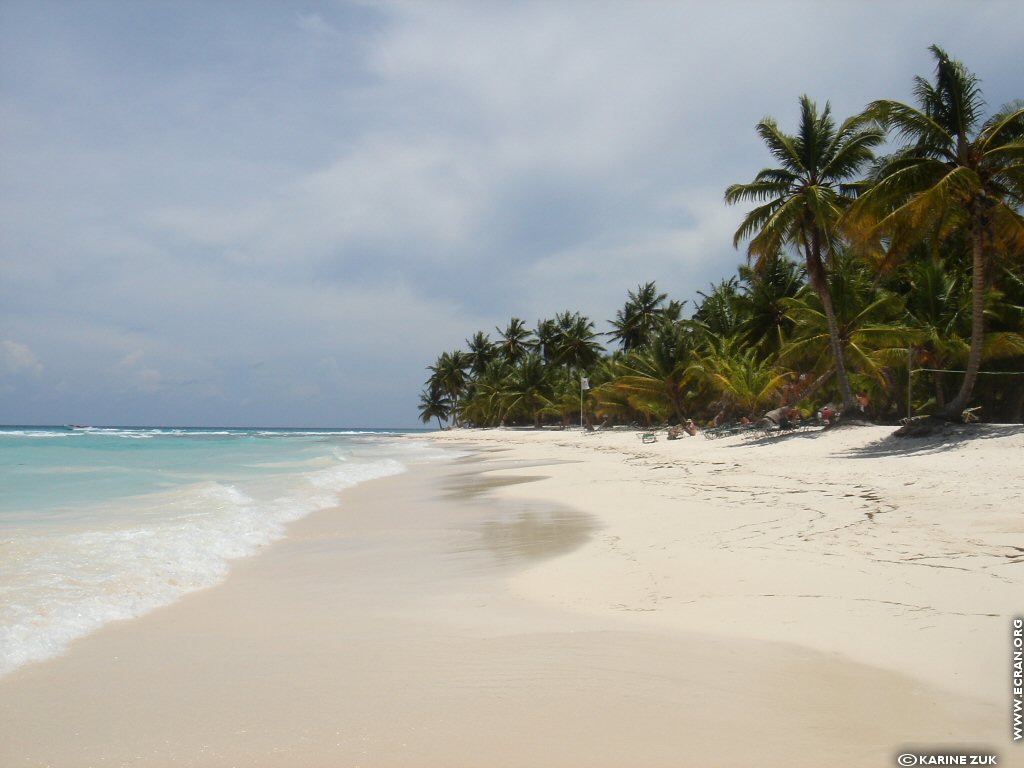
(777, 417)
(862, 402)
(789, 418)
(690, 427)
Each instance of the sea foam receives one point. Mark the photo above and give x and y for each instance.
(105, 562)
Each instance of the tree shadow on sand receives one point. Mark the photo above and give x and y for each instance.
(949, 438)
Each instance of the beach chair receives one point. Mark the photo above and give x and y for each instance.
(728, 430)
(720, 431)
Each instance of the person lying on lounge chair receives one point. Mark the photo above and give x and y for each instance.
(784, 417)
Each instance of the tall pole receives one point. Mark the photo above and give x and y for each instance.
(910, 377)
(584, 385)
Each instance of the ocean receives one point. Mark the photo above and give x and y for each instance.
(102, 524)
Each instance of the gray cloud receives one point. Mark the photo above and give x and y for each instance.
(274, 215)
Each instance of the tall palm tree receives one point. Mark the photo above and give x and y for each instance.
(530, 388)
(448, 375)
(481, 352)
(634, 324)
(516, 341)
(801, 201)
(547, 336)
(434, 404)
(954, 173)
(870, 318)
(653, 376)
(577, 347)
(484, 403)
(719, 311)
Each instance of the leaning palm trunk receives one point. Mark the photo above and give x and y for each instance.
(940, 392)
(800, 203)
(814, 386)
(816, 274)
(953, 170)
(842, 378)
(955, 409)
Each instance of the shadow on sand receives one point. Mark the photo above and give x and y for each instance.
(950, 438)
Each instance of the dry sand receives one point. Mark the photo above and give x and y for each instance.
(562, 599)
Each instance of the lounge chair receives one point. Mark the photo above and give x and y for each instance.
(727, 430)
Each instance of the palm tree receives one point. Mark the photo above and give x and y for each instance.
(576, 347)
(935, 307)
(1004, 395)
(547, 336)
(635, 322)
(718, 313)
(516, 341)
(802, 200)
(764, 322)
(481, 352)
(954, 173)
(743, 380)
(448, 375)
(653, 376)
(434, 404)
(871, 321)
(565, 396)
(485, 403)
(530, 388)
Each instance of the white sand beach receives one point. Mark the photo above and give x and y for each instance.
(562, 599)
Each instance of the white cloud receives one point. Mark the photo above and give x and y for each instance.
(319, 202)
(135, 373)
(16, 358)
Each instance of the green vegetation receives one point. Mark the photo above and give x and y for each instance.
(908, 286)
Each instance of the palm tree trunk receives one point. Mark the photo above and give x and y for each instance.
(842, 378)
(816, 274)
(954, 411)
(456, 421)
(677, 406)
(940, 391)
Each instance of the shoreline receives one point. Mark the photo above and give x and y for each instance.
(808, 539)
(528, 605)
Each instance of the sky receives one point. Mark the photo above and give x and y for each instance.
(228, 213)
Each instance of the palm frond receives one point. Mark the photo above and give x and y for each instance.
(911, 125)
(1003, 129)
(782, 147)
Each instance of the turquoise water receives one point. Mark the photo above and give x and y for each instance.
(103, 524)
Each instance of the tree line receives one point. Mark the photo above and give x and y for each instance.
(896, 276)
